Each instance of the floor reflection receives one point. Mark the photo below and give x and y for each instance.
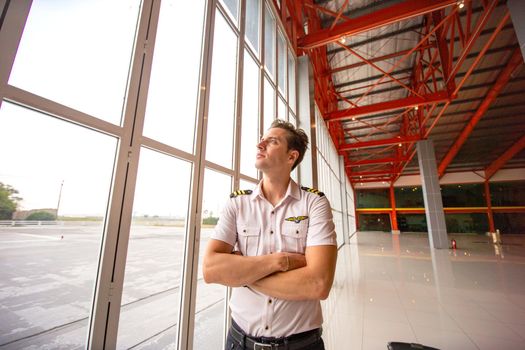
(395, 288)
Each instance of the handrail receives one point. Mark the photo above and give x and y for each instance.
(30, 222)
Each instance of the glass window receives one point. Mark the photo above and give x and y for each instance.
(219, 146)
(269, 104)
(233, 8)
(281, 63)
(412, 222)
(247, 185)
(513, 223)
(373, 198)
(507, 193)
(253, 23)
(291, 82)
(465, 195)
(281, 109)
(374, 222)
(174, 83)
(209, 317)
(250, 116)
(62, 174)
(155, 251)
(409, 197)
(467, 223)
(269, 42)
(64, 57)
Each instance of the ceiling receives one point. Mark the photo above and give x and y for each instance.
(390, 73)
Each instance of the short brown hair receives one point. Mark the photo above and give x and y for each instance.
(296, 138)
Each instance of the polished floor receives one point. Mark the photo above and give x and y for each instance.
(395, 288)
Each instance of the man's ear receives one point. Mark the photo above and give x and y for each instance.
(293, 155)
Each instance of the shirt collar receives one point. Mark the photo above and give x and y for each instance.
(293, 191)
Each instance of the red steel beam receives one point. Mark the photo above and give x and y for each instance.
(391, 14)
(375, 59)
(477, 31)
(376, 67)
(444, 53)
(368, 173)
(374, 161)
(407, 102)
(382, 142)
(375, 179)
(504, 158)
(503, 78)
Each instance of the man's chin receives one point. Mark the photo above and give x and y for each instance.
(259, 165)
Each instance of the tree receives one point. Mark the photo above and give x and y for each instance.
(8, 201)
(41, 216)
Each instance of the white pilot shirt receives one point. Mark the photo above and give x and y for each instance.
(250, 222)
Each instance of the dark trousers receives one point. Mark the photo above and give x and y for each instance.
(231, 344)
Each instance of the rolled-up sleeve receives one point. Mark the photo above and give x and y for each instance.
(321, 228)
(225, 230)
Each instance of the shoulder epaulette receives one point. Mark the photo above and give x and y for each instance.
(240, 193)
(312, 190)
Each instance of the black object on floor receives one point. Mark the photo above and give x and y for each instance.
(408, 346)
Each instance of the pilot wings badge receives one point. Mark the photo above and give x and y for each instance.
(296, 219)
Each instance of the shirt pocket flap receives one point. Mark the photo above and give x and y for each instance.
(248, 231)
(291, 229)
(248, 239)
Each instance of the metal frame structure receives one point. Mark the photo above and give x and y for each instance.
(449, 33)
(375, 133)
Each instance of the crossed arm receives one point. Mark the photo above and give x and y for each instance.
(282, 275)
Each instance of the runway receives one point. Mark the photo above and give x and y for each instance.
(47, 280)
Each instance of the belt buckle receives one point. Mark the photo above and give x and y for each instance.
(261, 346)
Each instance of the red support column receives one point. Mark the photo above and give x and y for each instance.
(393, 213)
(489, 207)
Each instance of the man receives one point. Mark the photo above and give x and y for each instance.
(276, 247)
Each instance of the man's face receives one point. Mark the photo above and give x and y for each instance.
(273, 153)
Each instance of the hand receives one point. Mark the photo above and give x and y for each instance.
(291, 261)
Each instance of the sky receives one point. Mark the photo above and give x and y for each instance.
(68, 57)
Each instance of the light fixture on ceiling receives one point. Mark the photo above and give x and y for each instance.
(461, 4)
(399, 145)
(416, 108)
(353, 118)
(342, 40)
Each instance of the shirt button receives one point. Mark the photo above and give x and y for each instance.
(297, 232)
(266, 327)
(272, 211)
(271, 232)
(270, 301)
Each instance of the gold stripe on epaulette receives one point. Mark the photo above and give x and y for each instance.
(240, 193)
(312, 190)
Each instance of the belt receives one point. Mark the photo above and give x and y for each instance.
(292, 342)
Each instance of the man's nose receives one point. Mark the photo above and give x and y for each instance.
(261, 144)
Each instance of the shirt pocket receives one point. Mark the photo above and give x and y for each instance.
(293, 237)
(248, 240)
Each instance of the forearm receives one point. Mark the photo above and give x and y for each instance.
(300, 284)
(234, 270)
(311, 282)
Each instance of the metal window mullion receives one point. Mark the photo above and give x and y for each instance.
(239, 96)
(262, 14)
(188, 283)
(11, 29)
(43, 105)
(344, 202)
(237, 135)
(104, 318)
